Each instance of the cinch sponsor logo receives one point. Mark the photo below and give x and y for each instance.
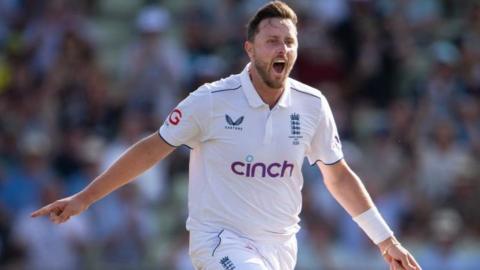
(260, 169)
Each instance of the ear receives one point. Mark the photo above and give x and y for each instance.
(248, 46)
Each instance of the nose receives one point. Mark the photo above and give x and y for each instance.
(282, 48)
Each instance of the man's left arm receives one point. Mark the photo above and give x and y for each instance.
(347, 188)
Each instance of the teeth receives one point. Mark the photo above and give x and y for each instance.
(279, 61)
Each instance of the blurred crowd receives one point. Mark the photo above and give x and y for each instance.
(80, 81)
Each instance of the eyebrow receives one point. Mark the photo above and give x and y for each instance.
(278, 36)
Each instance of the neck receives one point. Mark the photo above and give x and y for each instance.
(269, 95)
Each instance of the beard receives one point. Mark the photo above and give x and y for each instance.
(262, 70)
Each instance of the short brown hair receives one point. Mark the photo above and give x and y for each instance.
(273, 9)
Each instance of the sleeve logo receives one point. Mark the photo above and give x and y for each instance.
(174, 117)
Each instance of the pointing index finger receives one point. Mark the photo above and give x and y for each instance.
(42, 211)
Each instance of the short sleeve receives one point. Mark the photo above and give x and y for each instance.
(183, 125)
(325, 145)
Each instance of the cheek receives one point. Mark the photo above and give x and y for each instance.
(263, 52)
(293, 55)
(257, 53)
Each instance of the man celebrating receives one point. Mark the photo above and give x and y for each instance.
(245, 190)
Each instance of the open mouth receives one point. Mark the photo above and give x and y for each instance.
(279, 65)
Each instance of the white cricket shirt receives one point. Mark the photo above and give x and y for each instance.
(245, 162)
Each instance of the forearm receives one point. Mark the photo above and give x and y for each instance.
(133, 162)
(347, 188)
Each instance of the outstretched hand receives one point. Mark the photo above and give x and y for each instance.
(60, 211)
(399, 258)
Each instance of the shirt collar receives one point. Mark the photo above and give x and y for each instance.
(254, 98)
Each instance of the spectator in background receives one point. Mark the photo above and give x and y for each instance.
(44, 32)
(76, 87)
(441, 161)
(152, 184)
(154, 70)
(468, 111)
(46, 247)
(24, 180)
(125, 230)
(470, 52)
(87, 161)
(445, 252)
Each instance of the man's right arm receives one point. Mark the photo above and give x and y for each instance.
(133, 162)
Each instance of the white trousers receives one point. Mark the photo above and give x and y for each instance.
(225, 250)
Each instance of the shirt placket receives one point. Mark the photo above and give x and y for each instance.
(268, 135)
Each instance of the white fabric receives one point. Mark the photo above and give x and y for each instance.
(245, 166)
(226, 250)
(373, 225)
